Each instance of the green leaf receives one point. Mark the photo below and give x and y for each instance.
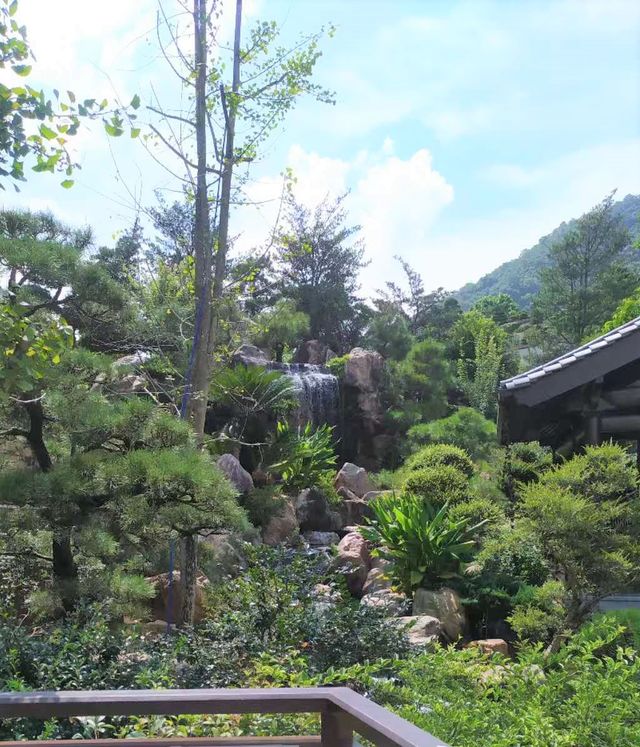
(22, 70)
(135, 102)
(135, 131)
(112, 130)
(13, 7)
(47, 132)
(67, 183)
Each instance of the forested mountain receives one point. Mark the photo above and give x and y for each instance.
(520, 277)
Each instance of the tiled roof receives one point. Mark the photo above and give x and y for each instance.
(557, 364)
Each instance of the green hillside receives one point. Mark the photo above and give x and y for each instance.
(519, 277)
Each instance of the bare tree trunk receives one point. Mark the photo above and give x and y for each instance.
(230, 106)
(189, 577)
(197, 385)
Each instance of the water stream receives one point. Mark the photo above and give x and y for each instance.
(317, 391)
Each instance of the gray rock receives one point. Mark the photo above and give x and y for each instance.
(227, 554)
(421, 630)
(321, 539)
(314, 352)
(235, 472)
(363, 370)
(282, 528)
(354, 479)
(314, 513)
(377, 580)
(250, 355)
(353, 560)
(446, 606)
(355, 512)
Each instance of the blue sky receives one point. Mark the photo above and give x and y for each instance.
(464, 130)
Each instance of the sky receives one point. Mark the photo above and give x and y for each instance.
(463, 131)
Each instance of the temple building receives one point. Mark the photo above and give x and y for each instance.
(586, 396)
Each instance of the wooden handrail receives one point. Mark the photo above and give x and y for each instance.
(342, 712)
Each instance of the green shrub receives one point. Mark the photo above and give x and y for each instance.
(476, 510)
(602, 473)
(571, 699)
(525, 462)
(301, 457)
(466, 428)
(422, 542)
(262, 504)
(441, 455)
(539, 611)
(341, 635)
(337, 365)
(438, 485)
(387, 479)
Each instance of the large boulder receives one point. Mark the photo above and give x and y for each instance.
(444, 604)
(314, 352)
(421, 630)
(250, 355)
(353, 560)
(314, 512)
(283, 528)
(363, 370)
(355, 479)
(236, 473)
(164, 609)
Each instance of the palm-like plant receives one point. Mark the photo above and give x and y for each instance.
(422, 542)
(252, 390)
(302, 455)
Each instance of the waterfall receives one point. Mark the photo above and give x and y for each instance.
(317, 391)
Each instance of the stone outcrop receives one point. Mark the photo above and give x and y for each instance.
(446, 606)
(354, 479)
(314, 352)
(314, 513)
(236, 474)
(250, 355)
(160, 606)
(361, 394)
(421, 630)
(363, 370)
(283, 528)
(353, 561)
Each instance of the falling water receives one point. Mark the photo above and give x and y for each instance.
(317, 391)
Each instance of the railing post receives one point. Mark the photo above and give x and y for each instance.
(336, 730)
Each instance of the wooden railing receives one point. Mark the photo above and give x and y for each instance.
(343, 713)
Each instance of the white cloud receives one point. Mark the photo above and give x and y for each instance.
(396, 201)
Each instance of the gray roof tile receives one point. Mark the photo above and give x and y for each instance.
(557, 364)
